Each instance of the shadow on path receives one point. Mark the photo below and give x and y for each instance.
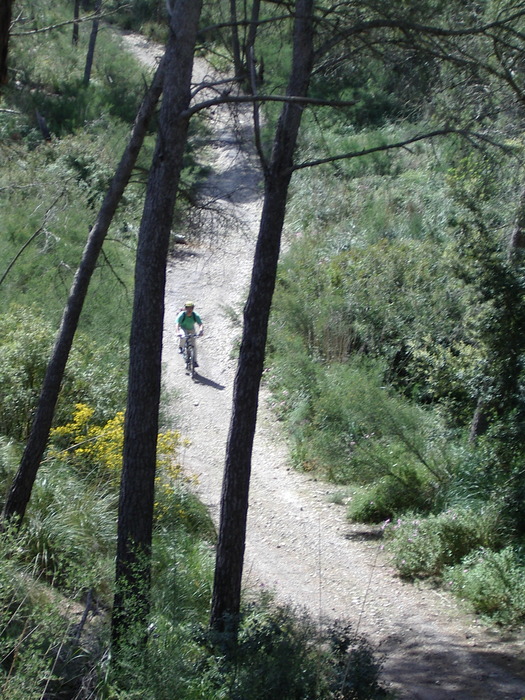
(199, 379)
(474, 673)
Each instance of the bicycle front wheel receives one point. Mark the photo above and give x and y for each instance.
(190, 361)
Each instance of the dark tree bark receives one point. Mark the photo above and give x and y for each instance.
(254, 19)
(517, 237)
(20, 491)
(5, 28)
(234, 500)
(76, 15)
(91, 47)
(135, 522)
(236, 46)
(42, 125)
(255, 71)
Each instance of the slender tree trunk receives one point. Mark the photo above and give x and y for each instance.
(91, 47)
(254, 19)
(517, 238)
(234, 500)
(250, 43)
(236, 46)
(5, 29)
(76, 15)
(135, 521)
(20, 492)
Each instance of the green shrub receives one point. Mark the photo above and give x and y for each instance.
(9, 460)
(348, 426)
(493, 582)
(70, 530)
(280, 654)
(424, 547)
(53, 72)
(182, 575)
(283, 654)
(405, 489)
(33, 629)
(26, 340)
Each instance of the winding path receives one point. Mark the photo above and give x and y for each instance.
(299, 543)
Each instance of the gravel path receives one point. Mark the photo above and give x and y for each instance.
(299, 543)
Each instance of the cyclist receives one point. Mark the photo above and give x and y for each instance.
(186, 323)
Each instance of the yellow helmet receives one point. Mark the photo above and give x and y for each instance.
(190, 304)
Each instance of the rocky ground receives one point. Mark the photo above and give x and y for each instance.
(299, 544)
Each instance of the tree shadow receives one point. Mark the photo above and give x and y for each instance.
(447, 669)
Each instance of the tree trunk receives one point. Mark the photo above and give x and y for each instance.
(250, 42)
(5, 29)
(76, 15)
(517, 238)
(234, 500)
(91, 47)
(236, 47)
(135, 521)
(20, 492)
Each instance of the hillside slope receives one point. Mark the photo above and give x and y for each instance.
(299, 543)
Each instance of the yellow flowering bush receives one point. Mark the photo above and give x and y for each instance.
(98, 450)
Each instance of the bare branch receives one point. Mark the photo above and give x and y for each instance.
(243, 99)
(212, 28)
(113, 271)
(446, 131)
(86, 18)
(30, 239)
(413, 28)
(212, 85)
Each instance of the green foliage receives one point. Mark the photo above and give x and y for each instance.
(68, 541)
(405, 488)
(353, 430)
(283, 654)
(273, 658)
(70, 534)
(54, 69)
(50, 199)
(402, 259)
(33, 630)
(423, 547)
(493, 583)
(280, 653)
(26, 341)
(387, 299)
(145, 16)
(183, 567)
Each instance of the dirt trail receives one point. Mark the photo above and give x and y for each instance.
(299, 544)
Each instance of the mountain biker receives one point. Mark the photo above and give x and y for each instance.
(186, 323)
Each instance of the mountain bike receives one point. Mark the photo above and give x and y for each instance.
(188, 354)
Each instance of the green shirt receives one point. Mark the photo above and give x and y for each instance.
(188, 322)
